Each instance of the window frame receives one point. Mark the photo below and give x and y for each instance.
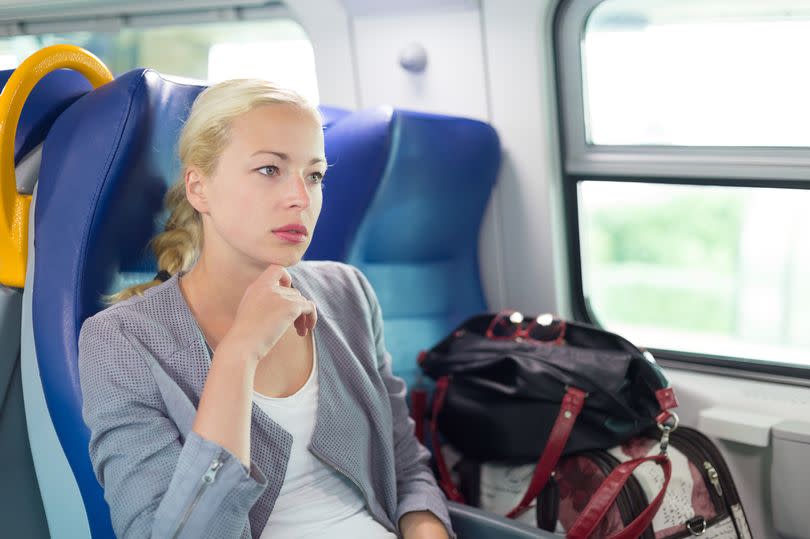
(739, 166)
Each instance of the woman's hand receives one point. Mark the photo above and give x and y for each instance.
(268, 307)
(422, 525)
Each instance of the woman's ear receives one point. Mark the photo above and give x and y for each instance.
(195, 189)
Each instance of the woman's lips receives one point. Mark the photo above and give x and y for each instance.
(292, 237)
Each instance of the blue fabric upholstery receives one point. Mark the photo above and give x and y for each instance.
(53, 94)
(404, 202)
(357, 150)
(332, 114)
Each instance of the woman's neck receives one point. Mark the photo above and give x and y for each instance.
(214, 297)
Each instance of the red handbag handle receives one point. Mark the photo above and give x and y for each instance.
(571, 406)
(606, 494)
(445, 481)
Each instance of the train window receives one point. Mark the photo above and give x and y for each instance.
(276, 49)
(685, 164)
(697, 73)
(709, 269)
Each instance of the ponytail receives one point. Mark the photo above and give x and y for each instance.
(177, 247)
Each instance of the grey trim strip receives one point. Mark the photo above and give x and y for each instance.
(732, 372)
(116, 17)
(27, 171)
(569, 33)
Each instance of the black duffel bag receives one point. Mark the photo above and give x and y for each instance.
(516, 389)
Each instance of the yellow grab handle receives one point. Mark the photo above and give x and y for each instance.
(14, 207)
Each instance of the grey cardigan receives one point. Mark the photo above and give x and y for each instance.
(143, 363)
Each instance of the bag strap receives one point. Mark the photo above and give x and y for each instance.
(418, 407)
(445, 481)
(419, 403)
(606, 494)
(571, 406)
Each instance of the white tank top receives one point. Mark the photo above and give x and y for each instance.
(315, 500)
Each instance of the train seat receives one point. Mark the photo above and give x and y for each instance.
(107, 162)
(90, 230)
(403, 202)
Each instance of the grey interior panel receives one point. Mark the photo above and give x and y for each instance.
(21, 510)
(472, 523)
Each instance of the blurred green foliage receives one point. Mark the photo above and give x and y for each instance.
(669, 263)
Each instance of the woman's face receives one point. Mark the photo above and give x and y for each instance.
(261, 204)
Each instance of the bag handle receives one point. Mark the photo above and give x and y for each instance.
(606, 494)
(571, 406)
(600, 502)
(445, 481)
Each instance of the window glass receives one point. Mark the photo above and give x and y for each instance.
(273, 49)
(715, 270)
(697, 73)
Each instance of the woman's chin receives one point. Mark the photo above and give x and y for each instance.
(284, 259)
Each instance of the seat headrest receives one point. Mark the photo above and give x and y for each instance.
(357, 150)
(404, 201)
(51, 95)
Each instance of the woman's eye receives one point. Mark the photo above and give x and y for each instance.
(272, 170)
(316, 177)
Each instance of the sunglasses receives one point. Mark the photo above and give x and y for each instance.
(513, 325)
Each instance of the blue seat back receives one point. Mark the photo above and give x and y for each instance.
(107, 163)
(404, 202)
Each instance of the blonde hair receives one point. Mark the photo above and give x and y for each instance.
(200, 144)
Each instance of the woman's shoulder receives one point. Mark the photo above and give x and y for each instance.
(156, 316)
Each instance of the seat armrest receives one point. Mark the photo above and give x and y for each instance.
(473, 523)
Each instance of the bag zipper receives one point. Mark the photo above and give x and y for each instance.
(727, 486)
(709, 523)
(208, 477)
(698, 457)
(341, 471)
(708, 448)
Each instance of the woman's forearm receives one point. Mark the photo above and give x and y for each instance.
(224, 412)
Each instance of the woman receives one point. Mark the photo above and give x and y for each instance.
(244, 393)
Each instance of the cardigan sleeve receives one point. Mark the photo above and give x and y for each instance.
(156, 483)
(416, 486)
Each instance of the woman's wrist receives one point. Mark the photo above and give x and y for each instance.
(236, 349)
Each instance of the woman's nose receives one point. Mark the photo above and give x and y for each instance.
(298, 193)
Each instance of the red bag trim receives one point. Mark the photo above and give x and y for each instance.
(445, 481)
(572, 404)
(606, 494)
(666, 398)
(418, 407)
